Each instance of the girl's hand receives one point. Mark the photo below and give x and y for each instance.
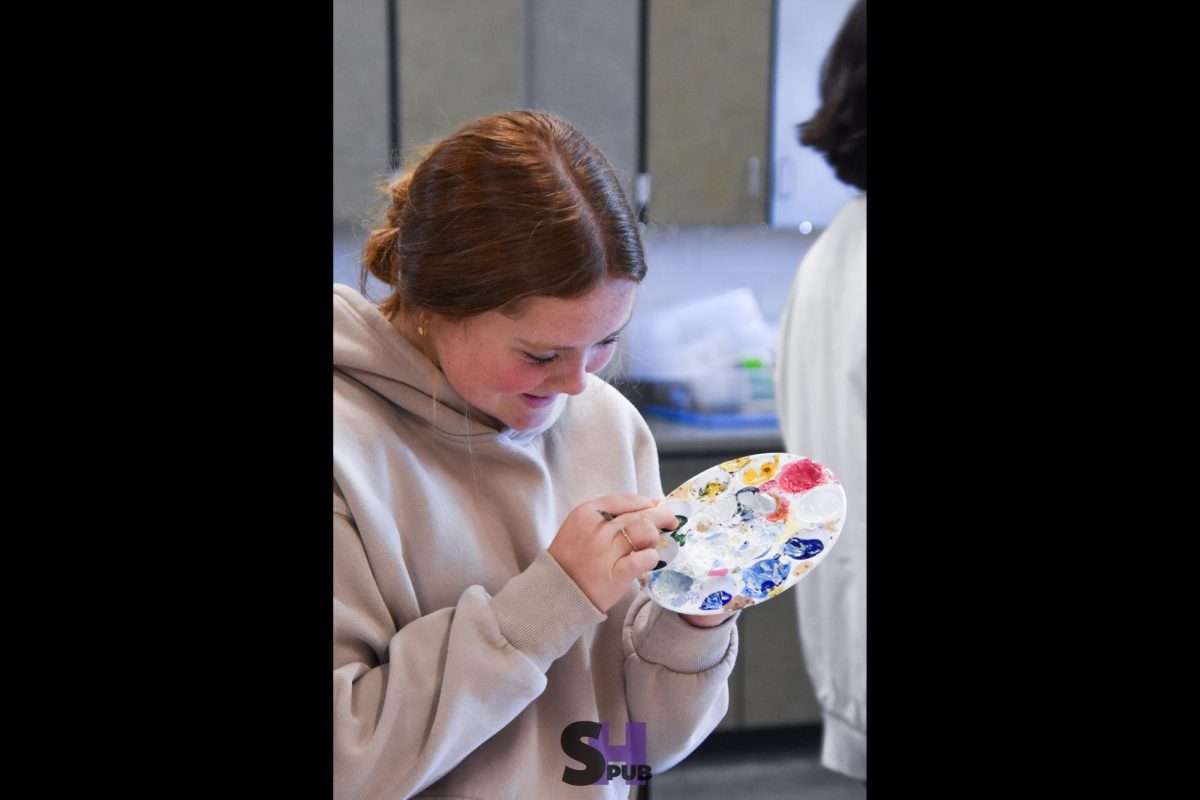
(593, 551)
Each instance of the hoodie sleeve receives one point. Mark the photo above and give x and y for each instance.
(676, 675)
(676, 678)
(409, 704)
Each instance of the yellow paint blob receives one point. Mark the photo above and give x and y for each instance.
(752, 477)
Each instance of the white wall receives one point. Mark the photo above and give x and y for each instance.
(691, 262)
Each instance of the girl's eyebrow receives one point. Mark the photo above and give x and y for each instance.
(545, 347)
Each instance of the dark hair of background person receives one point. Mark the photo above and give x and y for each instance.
(510, 206)
(839, 127)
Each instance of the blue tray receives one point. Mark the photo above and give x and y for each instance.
(713, 420)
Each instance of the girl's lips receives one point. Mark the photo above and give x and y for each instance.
(538, 402)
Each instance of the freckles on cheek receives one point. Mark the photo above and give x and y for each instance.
(512, 380)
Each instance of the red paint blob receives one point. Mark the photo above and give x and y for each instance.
(781, 512)
(800, 476)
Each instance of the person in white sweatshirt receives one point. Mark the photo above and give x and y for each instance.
(821, 388)
(482, 600)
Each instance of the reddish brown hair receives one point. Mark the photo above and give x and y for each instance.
(510, 206)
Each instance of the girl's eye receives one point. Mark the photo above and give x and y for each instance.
(547, 359)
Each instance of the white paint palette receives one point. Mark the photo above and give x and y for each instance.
(748, 530)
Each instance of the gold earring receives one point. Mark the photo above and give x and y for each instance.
(421, 327)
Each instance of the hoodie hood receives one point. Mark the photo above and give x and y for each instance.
(367, 349)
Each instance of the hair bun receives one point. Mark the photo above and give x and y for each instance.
(381, 253)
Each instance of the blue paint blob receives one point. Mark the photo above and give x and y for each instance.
(801, 549)
(671, 586)
(746, 514)
(715, 600)
(765, 576)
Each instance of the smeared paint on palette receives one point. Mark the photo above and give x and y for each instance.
(749, 528)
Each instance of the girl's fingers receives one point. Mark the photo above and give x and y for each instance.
(642, 532)
(635, 564)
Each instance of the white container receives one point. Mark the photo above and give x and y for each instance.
(695, 341)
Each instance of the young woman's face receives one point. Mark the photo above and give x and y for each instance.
(517, 369)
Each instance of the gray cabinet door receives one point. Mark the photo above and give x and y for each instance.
(360, 109)
(459, 59)
(707, 110)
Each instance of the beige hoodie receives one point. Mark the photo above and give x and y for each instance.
(461, 649)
